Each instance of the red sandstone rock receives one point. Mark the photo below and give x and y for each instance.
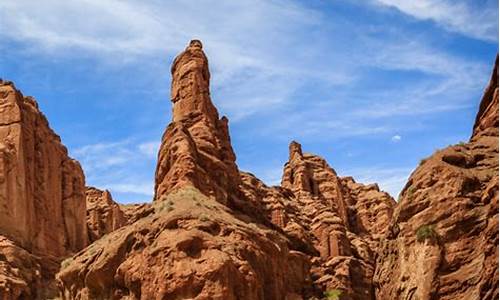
(337, 221)
(195, 148)
(103, 214)
(443, 242)
(216, 233)
(194, 245)
(42, 198)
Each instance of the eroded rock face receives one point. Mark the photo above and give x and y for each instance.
(195, 147)
(336, 221)
(191, 247)
(443, 242)
(103, 214)
(194, 244)
(42, 198)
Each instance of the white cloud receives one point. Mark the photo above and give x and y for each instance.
(124, 167)
(458, 16)
(396, 138)
(150, 149)
(246, 47)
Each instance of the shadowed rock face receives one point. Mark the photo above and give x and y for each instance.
(195, 147)
(42, 196)
(443, 242)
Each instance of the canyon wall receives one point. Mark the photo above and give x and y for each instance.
(443, 242)
(42, 193)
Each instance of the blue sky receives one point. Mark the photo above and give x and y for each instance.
(373, 86)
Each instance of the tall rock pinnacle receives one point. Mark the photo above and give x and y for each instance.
(196, 147)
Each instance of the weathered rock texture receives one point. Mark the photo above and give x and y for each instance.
(192, 247)
(42, 195)
(335, 220)
(103, 214)
(195, 148)
(194, 244)
(214, 232)
(443, 242)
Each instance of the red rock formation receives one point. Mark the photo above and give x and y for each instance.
(443, 242)
(195, 148)
(191, 247)
(134, 212)
(103, 214)
(337, 221)
(42, 193)
(194, 245)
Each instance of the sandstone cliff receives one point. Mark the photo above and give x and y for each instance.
(443, 241)
(42, 198)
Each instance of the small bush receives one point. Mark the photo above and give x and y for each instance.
(426, 232)
(333, 294)
(410, 191)
(422, 161)
(166, 206)
(65, 263)
(203, 218)
(461, 143)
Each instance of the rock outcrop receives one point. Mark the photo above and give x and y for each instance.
(194, 245)
(443, 241)
(213, 232)
(103, 214)
(335, 220)
(42, 197)
(195, 147)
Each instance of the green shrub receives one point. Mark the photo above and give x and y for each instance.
(203, 218)
(426, 232)
(410, 191)
(333, 294)
(165, 206)
(65, 263)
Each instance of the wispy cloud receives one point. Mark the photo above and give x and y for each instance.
(124, 167)
(396, 138)
(458, 16)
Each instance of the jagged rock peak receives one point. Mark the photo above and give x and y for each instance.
(443, 237)
(190, 84)
(294, 149)
(196, 148)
